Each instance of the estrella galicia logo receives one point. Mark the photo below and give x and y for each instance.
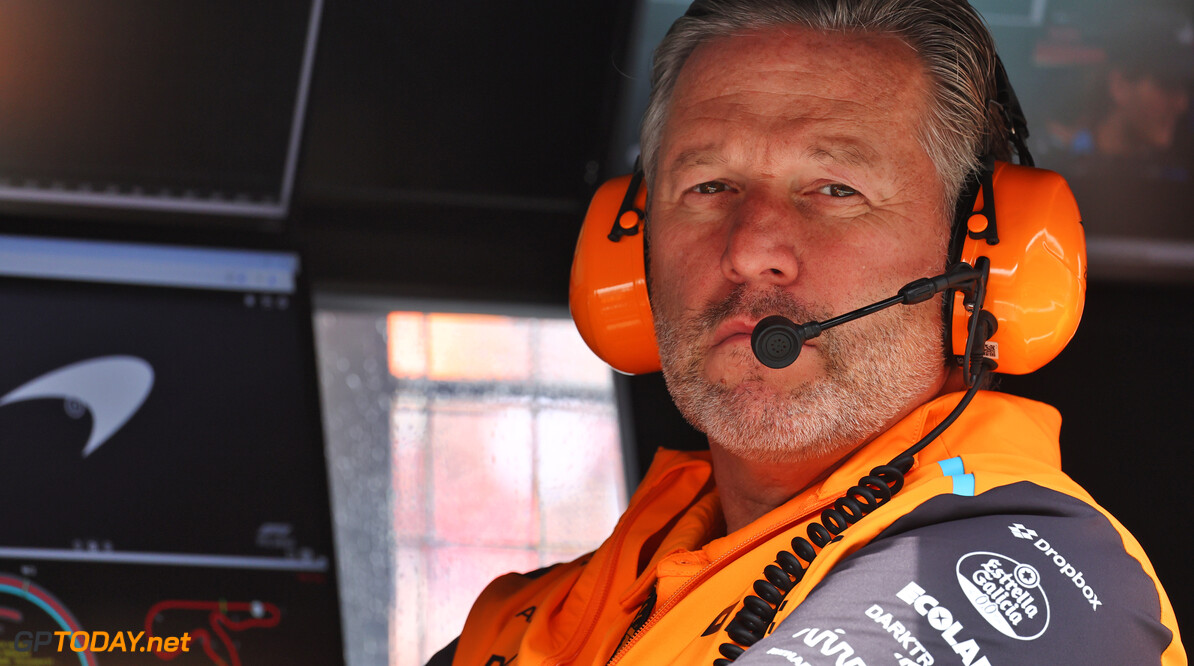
(112, 388)
(1006, 593)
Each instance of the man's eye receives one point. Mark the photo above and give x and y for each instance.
(838, 190)
(710, 188)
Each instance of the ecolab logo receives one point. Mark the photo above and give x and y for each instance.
(1060, 561)
(942, 619)
(112, 388)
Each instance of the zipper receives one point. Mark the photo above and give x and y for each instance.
(640, 618)
(568, 654)
(705, 573)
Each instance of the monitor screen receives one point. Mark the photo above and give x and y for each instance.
(1106, 87)
(164, 474)
(187, 106)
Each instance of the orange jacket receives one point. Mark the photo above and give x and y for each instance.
(668, 542)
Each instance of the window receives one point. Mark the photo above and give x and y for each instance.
(461, 446)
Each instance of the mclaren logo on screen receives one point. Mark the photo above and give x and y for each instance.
(112, 388)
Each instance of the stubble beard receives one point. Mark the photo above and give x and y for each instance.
(872, 369)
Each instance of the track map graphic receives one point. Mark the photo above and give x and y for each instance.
(221, 622)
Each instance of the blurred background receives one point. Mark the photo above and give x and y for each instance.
(427, 166)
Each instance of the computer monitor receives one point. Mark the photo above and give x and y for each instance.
(163, 470)
(188, 106)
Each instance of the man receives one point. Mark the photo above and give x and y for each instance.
(804, 158)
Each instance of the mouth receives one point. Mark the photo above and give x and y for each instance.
(740, 330)
(733, 331)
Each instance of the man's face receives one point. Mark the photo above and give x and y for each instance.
(790, 181)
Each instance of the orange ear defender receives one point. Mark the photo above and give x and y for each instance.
(608, 292)
(1031, 233)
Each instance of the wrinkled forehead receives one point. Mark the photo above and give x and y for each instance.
(770, 96)
(800, 72)
(851, 49)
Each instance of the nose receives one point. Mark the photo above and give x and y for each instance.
(761, 244)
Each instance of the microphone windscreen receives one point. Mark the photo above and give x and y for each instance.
(776, 341)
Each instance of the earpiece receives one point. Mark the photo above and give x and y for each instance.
(1032, 234)
(1030, 230)
(608, 292)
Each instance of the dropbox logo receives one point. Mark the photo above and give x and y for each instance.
(1021, 532)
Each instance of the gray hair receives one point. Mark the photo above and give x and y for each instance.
(949, 36)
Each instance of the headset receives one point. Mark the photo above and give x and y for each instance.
(1016, 223)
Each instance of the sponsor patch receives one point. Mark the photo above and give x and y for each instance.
(942, 619)
(1060, 561)
(918, 654)
(1006, 593)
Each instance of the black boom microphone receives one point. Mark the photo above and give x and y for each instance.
(776, 340)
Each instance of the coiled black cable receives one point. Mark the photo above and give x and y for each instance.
(754, 619)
